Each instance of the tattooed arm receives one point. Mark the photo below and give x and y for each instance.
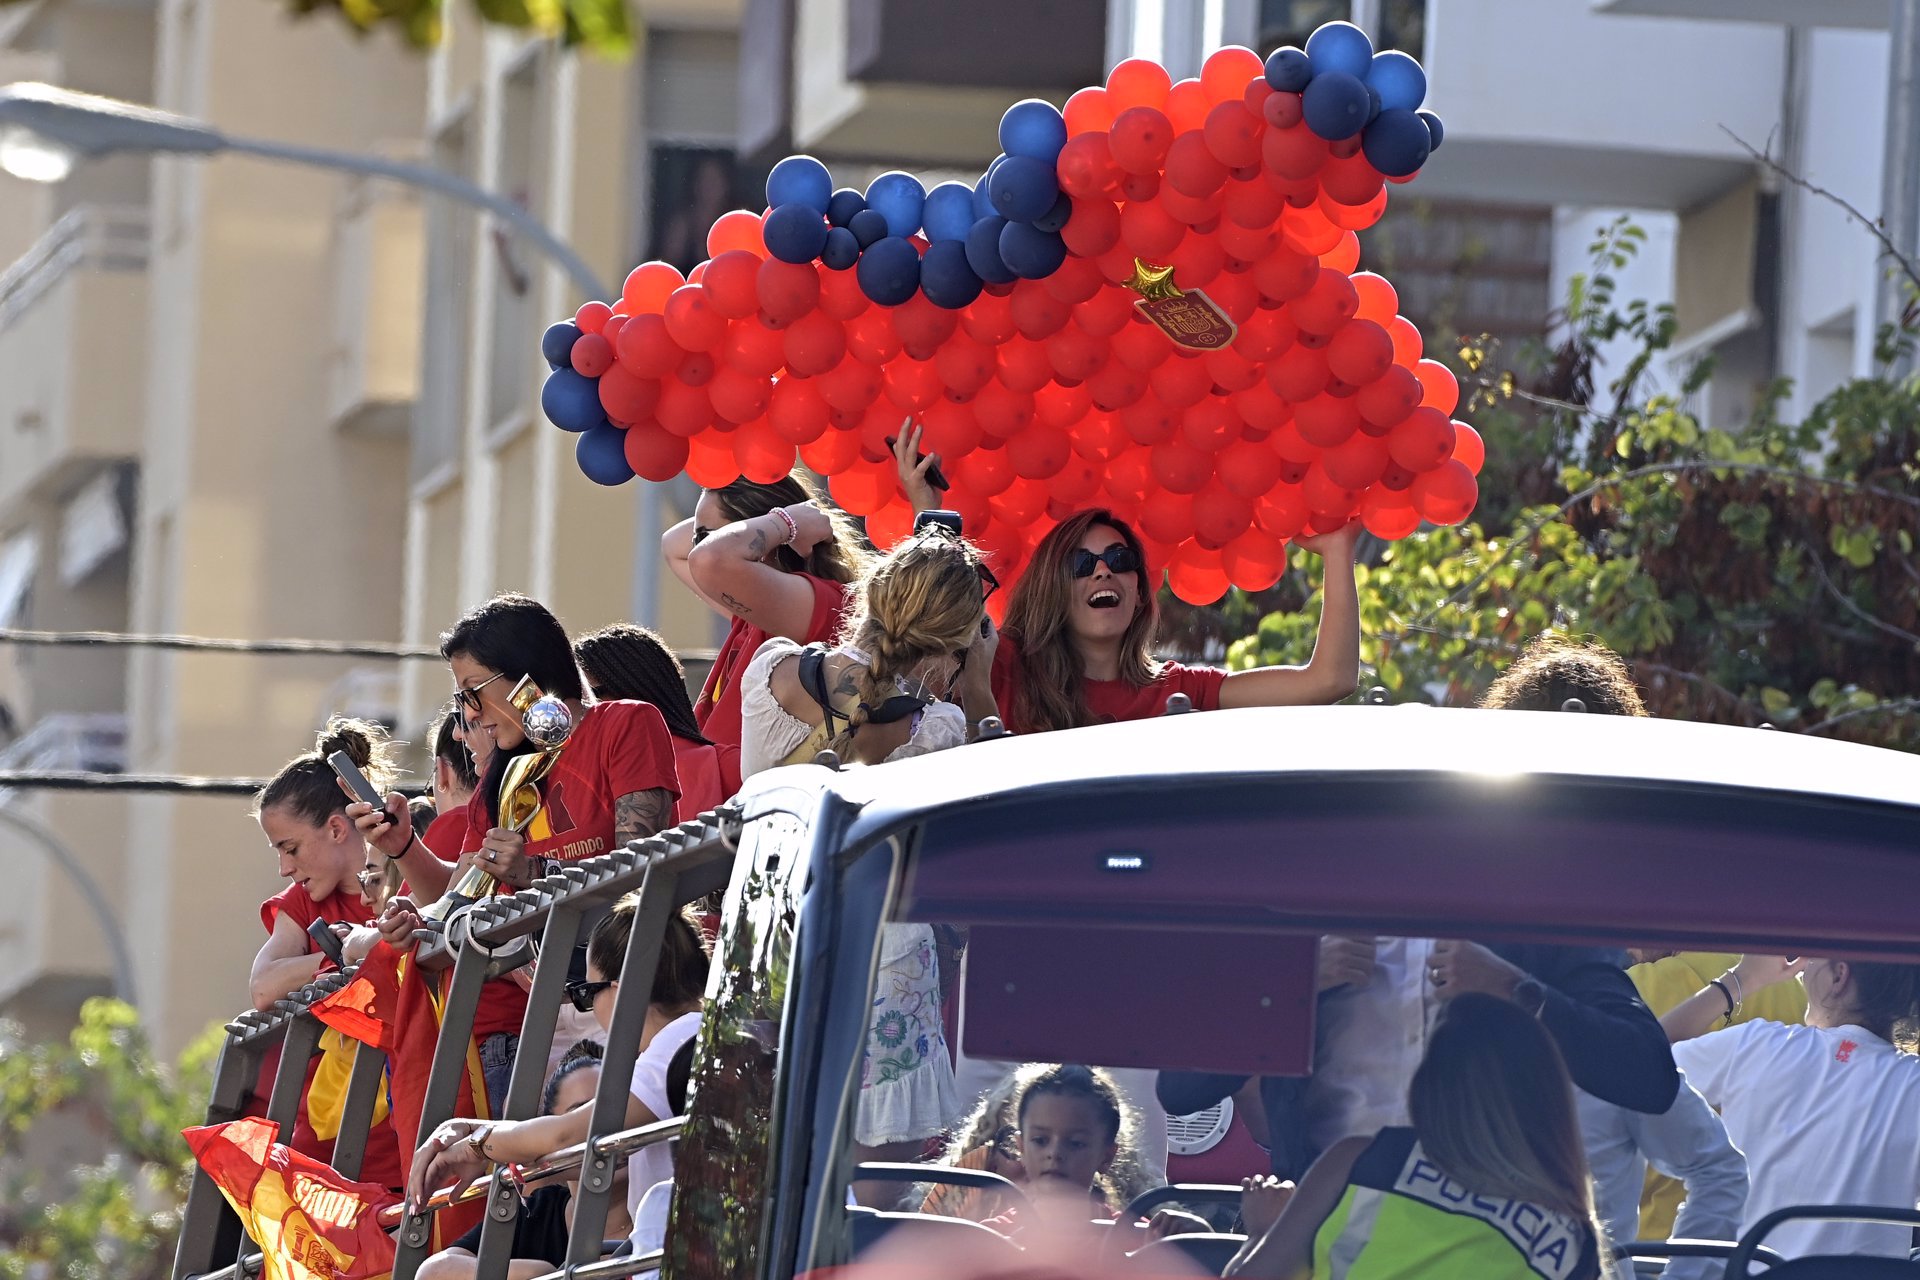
(641, 814)
(730, 567)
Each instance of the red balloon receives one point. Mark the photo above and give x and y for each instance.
(1386, 514)
(1060, 406)
(1360, 352)
(840, 295)
(1022, 365)
(1140, 187)
(1290, 446)
(1088, 111)
(1423, 442)
(736, 230)
(764, 457)
(1002, 412)
(922, 326)
(1281, 110)
(1308, 230)
(731, 282)
(1266, 334)
(592, 355)
(851, 385)
(1149, 421)
(948, 429)
(831, 452)
(890, 525)
(864, 487)
(814, 343)
(1149, 231)
(691, 321)
(1326, 496)
(1117, 264)
(964, 365)
(753, 348)
(1039, 452)
(1298, 373)
(1255, 560)
(1379, 302)
(648, 287)
(1211, 425)
(1285, 274)
(1248, 468)
(1086, 167)
(710, 461)
(1093, 228)
(1387, 400)
(1139, 140)
(1293, 153)
(1194, 211)
(696, 369)
(591, 316)
(655, 453)
(1261, 408)
(1192, 168)
(1446, 495)
(1196, 575)
(1329, 304)
(1187, 106)
(1344, 256)
(1220, 515)
(1468, 449)
(1226, 72)
(1255, 95)
(1282, 512)
(983, 471)
(1022, 503)
(1197, 261)
(1182, 382)
(1075, 282)
(1138, 82)
(913, 384)
(1233, 134)
(1166, 516)
(1355, 462)
(1099, 436)
(1141, 346)
(1037, 314)
(627, 397)
(644, 348)
(683, 410)
(1129, 477)
(1105, 313)
(1230, 370)
(989, 319)
(1442, 389)
(796, 412)
(1246, 247)
(1253, 204)
(1074, 483)
(1327, 420)
(1351, 181)
(739, 398)
(871, 337)
(1180, 467)
(787, 290)
(1349, 217)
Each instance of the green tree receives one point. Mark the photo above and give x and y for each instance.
(118, 1218)
(1753, 573)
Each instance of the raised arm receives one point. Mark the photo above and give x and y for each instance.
(676, 545)
(1696, 1015)
(730, 568)
(1282, 1248)
(1334, 670)
(284, 964)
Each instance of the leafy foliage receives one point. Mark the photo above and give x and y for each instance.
(1754, 573)
(118, 1218)
(600, 25)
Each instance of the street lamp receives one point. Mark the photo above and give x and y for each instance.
(45, 129)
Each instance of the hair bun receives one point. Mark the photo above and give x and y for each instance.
(355, 737)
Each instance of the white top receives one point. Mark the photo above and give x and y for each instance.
(769, 733)
(650, 1223)
(654, 1164)
(1689, 1143)
(1369, 1041)
(1826, 1115)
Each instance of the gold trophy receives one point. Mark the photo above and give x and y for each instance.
(548, 724)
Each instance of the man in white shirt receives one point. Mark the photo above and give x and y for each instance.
(1687, 1143)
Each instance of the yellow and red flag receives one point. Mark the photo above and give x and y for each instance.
(310, 1223)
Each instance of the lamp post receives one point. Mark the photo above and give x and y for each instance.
(45, 129)
(89, 890)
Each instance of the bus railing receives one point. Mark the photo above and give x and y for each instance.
(488, 940)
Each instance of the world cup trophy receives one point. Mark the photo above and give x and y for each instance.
(548, 724)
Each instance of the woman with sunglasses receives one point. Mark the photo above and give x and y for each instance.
(773, 559)
(1081, 625)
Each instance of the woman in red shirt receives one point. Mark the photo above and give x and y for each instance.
(629, 662)
(773, 559)
(1077, 647)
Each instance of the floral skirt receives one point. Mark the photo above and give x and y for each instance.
(906, 1083)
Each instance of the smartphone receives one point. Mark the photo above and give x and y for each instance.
(326, 939)
(349, 773)
(934, 476)
(945, 519)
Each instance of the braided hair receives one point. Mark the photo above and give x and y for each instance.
(630, 661)
(924, 599)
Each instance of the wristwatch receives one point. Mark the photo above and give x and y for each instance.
(1530, 994)
(478, 1140)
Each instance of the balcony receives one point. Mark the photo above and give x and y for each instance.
(73, 343)
(378, 272)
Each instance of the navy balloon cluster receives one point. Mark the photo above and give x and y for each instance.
(947, 243)
(570, 398)
(1347, 89)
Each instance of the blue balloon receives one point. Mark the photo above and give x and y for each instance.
(556, 344)
(1033, 128)
(899, 198)
(1340, 46)
(1055, 218)
(1029, 253)
(946, 278)
(572, 402)
(1336, 105)
(949, 211)
(602, 455)
(1289, 70)
(795, 233)
(889, 271)
(1434, 129)
(982, 202)
(1397, 143)
(869, 226)
(1399, 81)
(983, 251)
(1023, 188)
(845, 203)
(842, 249)
(800, 180)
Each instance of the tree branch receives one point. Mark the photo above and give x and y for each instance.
(1895, 706)
(1846, 602)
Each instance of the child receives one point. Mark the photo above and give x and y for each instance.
(1075, 1147)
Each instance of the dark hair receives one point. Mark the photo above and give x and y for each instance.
(447, 746)
(837, 559)
(421, 812)
(681, 976)
(585, 1053)
(680, 1076)
(1053, 694)
(519, 637)
(307, 785)
(1076, 1081)
(1554, 669)
(1886, 997)
(1493, 1106)
(629, 661)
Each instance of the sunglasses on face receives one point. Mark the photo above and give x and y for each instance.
(1119, 559)
(470, 698)
(582, 993)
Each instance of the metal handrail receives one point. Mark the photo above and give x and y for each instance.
(251, 1265)
(562, 1162)
(611, 1268)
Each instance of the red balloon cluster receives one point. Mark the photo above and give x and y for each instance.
(1045, 397)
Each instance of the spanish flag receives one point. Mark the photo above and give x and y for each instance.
(310, 1223)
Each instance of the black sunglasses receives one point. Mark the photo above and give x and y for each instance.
(582, 993)
(988, 583)
(1120, 559)
(470, 698)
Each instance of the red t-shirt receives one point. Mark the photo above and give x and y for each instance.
(718, 711)
(446, 837)
(341, 907)
(702, 778)
(618, 748)
(1108, 700)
